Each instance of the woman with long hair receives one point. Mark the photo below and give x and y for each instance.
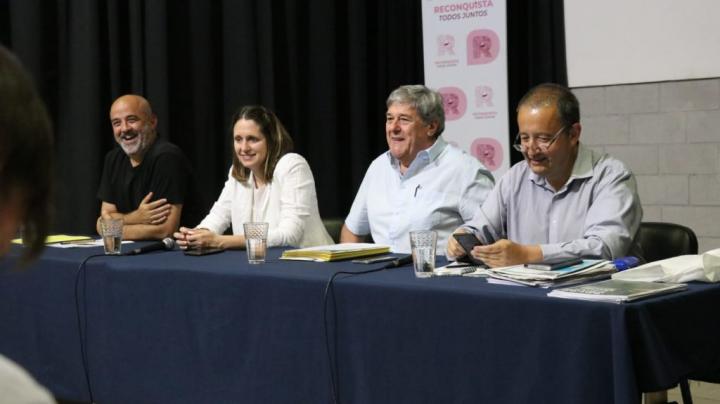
(267, 183)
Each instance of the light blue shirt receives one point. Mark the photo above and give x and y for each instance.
(441, 189)
(596, 214)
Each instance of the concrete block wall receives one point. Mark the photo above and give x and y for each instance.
(669, 135)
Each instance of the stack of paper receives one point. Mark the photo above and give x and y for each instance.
(586, 271)
(58, 238)
(617, 291)
(335, 252)
(455, 269)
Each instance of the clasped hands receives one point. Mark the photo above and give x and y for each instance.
(187, 238)
(155, 212)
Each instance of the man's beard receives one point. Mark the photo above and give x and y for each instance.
(141, 142)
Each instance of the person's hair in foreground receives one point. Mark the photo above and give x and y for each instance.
(278, 140)
(26, 147)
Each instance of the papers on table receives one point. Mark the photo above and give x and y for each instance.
(586, 271)
(478, 272)
(59, 238)
(82, 243)
(616, 291)
(335, 252)
(455, 269)
(67, 241)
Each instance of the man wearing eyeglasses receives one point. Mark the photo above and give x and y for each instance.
(563, 201)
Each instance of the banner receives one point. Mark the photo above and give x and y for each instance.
(466, 61)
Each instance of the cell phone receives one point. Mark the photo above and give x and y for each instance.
(203, 251)
(468, 241)
(554, 265)
(373, 260)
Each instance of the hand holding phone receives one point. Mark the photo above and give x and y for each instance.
(468, 241)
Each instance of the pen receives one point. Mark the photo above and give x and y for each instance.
(84, 241)
(416, 189)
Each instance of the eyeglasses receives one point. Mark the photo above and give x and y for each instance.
(542, 141)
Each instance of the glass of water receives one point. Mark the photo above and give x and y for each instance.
(112, 231)
(423, 244)
(256, 241)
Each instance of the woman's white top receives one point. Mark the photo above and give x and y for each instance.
(260, 200)
(289, 206)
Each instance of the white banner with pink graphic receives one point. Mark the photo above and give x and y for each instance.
(466, 61)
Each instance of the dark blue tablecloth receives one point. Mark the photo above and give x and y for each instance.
(164, 327)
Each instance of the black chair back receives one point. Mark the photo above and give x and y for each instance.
(665, 240)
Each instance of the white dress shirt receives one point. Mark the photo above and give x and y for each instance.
(440, 190)
(596, 214)
(290, 207)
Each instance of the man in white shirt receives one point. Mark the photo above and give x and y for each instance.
(421, 182)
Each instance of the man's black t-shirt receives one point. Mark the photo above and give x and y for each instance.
(164, 170)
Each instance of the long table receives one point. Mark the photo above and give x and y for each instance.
(165, 327)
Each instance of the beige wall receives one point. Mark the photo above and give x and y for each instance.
(669, 135)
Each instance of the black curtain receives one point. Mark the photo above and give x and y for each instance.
(536, 51)
(324, 66)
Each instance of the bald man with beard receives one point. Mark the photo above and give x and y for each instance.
(147, 181)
